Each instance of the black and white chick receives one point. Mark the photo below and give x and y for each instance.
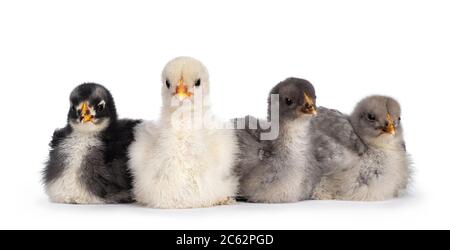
(88, 158)
(281, 170)
(363, 155)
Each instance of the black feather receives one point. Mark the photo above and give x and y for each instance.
(104, 169)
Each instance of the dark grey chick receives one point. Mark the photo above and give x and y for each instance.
(281, 169)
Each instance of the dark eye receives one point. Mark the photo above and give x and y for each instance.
(168, 84)
(289, 101)
(101, 106)
(371, 117)
(198, 83)
(397, 123)
(73, 108)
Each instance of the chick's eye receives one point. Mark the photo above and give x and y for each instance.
(371, 117)
(198, 83)
(101, 106)
(397, 123)
(168, 84)
(289, 101)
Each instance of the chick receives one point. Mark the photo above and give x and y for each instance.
(183, 160)
(363, 155)
(88, 158)
(281, 170)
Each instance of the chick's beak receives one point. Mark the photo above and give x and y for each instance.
(309, 106)
(85, 113)
(390, 127)
(182, 91)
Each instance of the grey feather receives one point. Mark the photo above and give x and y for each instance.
(281, 170)
(361, 161)
(251, 149)
(331, 130)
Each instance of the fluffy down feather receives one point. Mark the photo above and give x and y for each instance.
(357, 167)
(88, 162)
(178, 166)
(282, 170)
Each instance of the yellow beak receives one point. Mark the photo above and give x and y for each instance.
(182, 91)
(86, 117)
(309, 107)
(390, 128)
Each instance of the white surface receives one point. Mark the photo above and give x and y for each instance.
(348, 49)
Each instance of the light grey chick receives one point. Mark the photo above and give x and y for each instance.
(363, 155)
(280, 170)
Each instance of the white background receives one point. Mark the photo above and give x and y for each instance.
(348, 49)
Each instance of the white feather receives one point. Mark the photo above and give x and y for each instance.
(175, 164)
(182, 168)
